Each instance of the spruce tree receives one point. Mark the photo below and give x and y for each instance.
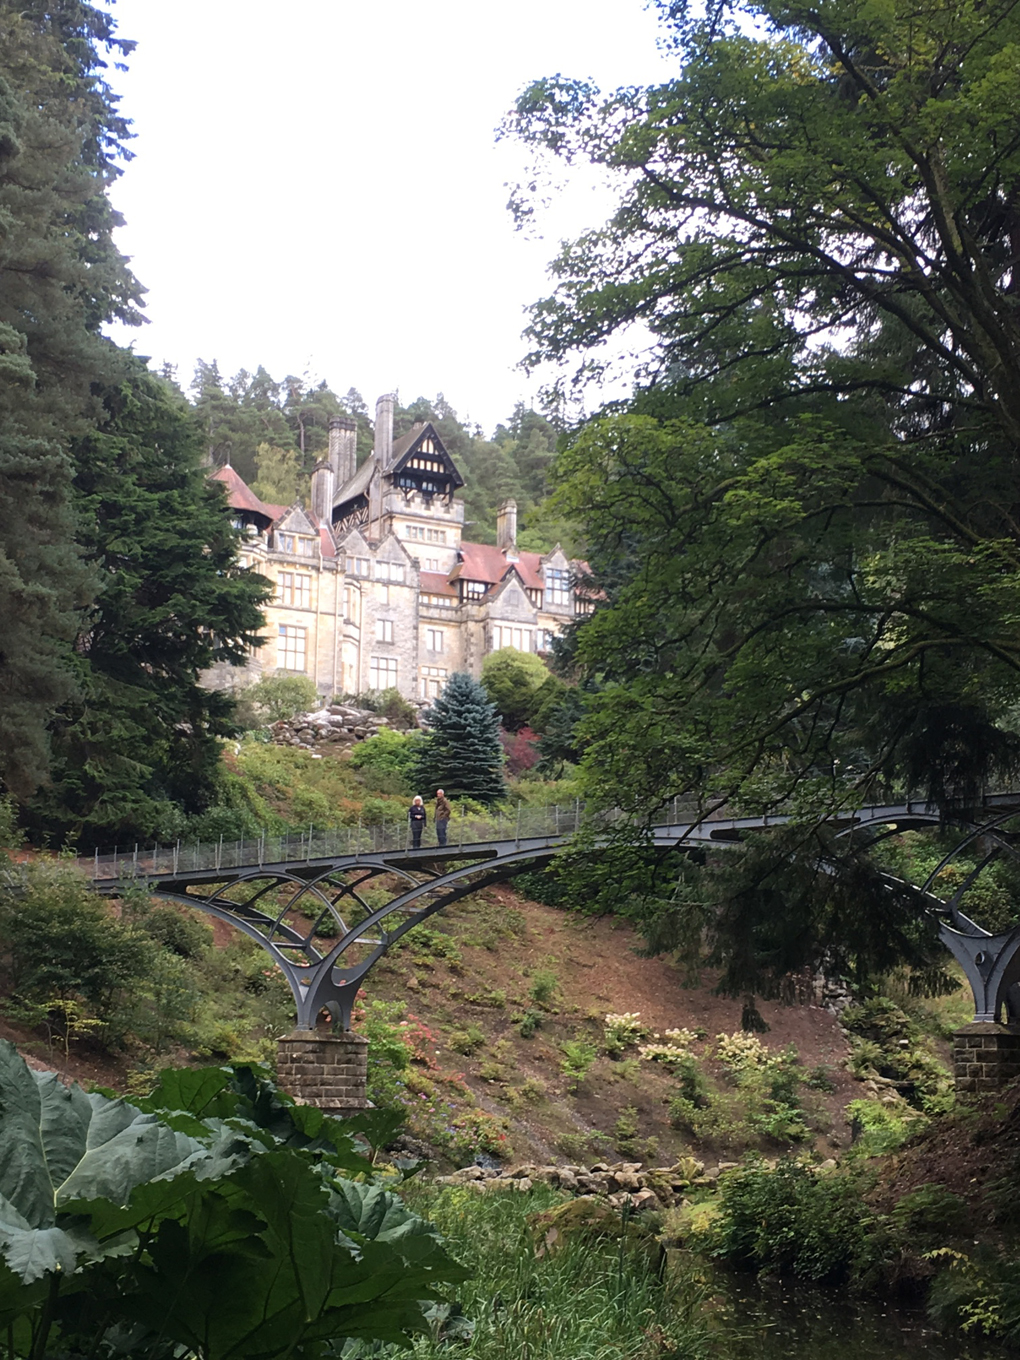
(461, 752)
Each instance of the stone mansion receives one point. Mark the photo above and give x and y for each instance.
(375, 586)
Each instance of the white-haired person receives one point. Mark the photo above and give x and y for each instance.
(416, 818)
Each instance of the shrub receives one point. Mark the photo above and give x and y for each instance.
(791, 1221)
(275, 697)
(63, 941)
(578, 1057)
(543, 987)
(620, 1031)
(387, 753)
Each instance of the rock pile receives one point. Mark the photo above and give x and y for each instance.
(341, 724)
(619, 1184)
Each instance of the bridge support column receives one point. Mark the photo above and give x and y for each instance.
(326, 1070)
(986, 1056)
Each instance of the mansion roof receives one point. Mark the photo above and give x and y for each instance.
(241, 497)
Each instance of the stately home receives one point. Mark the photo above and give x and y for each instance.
(375, 586)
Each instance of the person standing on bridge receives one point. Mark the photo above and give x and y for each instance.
(443, 813)
(416, 817)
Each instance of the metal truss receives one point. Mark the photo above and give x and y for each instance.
(321, 921)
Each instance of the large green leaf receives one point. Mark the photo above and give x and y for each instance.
(61, 1148)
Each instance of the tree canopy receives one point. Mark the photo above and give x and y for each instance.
(802, 526)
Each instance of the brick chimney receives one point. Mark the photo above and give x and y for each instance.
(384, 430)
(343, 442)
(506, 527)
(323, 488)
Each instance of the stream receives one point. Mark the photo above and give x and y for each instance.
(773, 1320)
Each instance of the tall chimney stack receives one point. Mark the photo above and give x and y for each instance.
(506, 526)
(343, 444)
(323, 484)
(336, 425)
(384, 430)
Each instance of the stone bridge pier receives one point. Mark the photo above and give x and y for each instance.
(326, 1070)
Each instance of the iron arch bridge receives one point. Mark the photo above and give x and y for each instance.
(326, 906)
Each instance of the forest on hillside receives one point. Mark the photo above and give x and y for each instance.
(273, 432)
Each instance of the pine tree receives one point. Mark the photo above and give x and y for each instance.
(461, 752)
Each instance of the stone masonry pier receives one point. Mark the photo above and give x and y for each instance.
(986, 1056)
(328, 1071)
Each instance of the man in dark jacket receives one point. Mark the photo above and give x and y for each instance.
(443, 812)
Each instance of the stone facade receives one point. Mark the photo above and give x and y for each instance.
(383, 591)
(986, 1056)
(326, 1070)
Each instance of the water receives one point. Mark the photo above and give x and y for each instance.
(772, 1320)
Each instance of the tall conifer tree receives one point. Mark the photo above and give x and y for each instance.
(61, 278)
(462, 753)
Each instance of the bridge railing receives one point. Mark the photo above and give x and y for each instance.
(523, 822)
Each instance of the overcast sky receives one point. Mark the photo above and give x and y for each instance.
(318, 186)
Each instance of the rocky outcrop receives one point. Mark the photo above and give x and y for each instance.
(339, 724)
(619, 1184)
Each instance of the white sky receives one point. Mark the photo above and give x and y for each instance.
(317, 185)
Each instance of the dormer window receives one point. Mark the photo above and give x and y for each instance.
(474, 590)
(298, 545)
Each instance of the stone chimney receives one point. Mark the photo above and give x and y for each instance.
(343, 449)
(384, 430)
(323, 489)
(506, 527)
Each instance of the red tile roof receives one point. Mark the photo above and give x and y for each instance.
(482, 562)
(241, 497)
(435, 583)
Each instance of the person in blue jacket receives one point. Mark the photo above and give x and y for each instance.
(416, 818)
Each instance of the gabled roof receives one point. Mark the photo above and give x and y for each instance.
(405, 448)
(295, 521)
(241, 497)
(482, 562)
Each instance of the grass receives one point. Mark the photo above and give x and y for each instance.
(585, 1302)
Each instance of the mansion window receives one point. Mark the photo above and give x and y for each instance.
(384, 630)
(298, 545)
(518, 638)
(432, 564)
(290, 650)
(583, 606)
(351, 602)
(474, 589)
(438, 601)
(382, 672)
(544, 639)
(358, 566)
(294, 588)
(421, 533)
(434, 639)
(557, 586)
(433, 679)
(389, 571)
